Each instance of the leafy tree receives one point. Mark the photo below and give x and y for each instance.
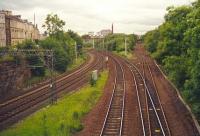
(33, 61)
(53, 24)
(151, 40)
(61, 60)
(175, 44)
(76, 37)
(61, 42)
(115, 42)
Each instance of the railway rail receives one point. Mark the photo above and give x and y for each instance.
(154, 93)
(113, 122)
(152, 117)
(153, 121)
(12, 110)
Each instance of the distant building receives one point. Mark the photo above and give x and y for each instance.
(91, 33)
(91, 36)
(14, 29)
(104, 32)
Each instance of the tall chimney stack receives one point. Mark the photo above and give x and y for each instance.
(112, 29)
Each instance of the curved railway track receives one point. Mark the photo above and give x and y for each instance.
(14, 109)
(113, 122)
(152, 116)
(153, 121)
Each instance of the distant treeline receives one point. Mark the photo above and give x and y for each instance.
(176, 46)
(116, 43)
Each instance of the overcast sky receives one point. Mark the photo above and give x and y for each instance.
(82, 16)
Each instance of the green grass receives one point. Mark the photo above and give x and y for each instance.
(63, 118)
(6, 58)
(122, 54)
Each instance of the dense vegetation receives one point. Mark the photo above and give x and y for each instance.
(116, 42)
(63, 118)
(176, 46)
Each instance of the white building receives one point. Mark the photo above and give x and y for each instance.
(104, 32)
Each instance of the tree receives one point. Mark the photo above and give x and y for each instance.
(33, 60)
(176, 46)
(53, 24)
(61, 57)
(115, 42)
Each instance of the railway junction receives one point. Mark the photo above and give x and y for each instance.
(137, 99)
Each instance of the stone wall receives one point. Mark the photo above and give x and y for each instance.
(12, 77)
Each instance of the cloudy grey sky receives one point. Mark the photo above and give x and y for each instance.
(82, 16)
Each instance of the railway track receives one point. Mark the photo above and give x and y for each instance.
(113, 122)
(153, 121)
(152, 116)
(12, 110)
(154, 93)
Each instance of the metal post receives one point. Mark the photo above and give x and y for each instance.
(76, 51)
(103, 43)
(52, 84)
(93, 42)
(125, 47)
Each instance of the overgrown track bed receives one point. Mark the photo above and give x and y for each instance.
(15, 109)
(113, 122)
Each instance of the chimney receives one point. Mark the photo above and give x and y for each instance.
(112, 29)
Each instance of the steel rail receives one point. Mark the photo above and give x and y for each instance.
(111, 100)
(43, 87)
(147, 103)
(122, 112)
(150, 97)
(113, 91)
(156, 90)
(139, 103)
(46, 95)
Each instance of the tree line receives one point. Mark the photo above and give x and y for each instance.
(175, 44)
(116, 42)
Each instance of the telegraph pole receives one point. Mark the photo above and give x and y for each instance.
(52, 84)
(125, 47)
(103, 43)
(76, 50)
(93, 42)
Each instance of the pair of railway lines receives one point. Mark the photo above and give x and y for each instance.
(19, 107)
(152, 117)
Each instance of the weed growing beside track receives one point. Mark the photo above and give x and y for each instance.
(122, 54)
(63, 118)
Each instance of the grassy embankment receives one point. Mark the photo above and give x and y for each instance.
(63, 118)
(6, 58)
